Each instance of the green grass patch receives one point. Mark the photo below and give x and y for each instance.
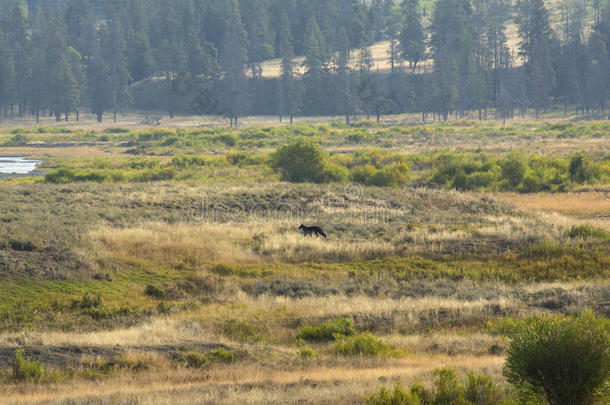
(328, 331)
(364, 344)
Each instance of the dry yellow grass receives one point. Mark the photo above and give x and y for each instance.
(165, 243)
(253, 383)
(586, 204)
(566, 209)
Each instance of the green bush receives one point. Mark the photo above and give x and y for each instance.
(327, 331)
(61, 176)
(565, 360)
(26, 370)
(514, 168)
(227, 139)
(155, 292)
(66, 175)
(196, 360)
(364, 344)
(87, 302)
(395, 175)
(304, 161)
(583, 169)
(587, 231)
(480, 389)
(17, 140)
(221, 355)
(397, 396)
(201, 360)
(477, 390)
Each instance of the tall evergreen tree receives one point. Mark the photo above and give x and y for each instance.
(8, 74)
(100, 96)
(114, 54)
(344, 93)
(535, 47)
(452, 51)
(233, 59)
(19, 37)
(289, 95)
(412, 37)
(365, 80)
(598, 81)
(315, 65)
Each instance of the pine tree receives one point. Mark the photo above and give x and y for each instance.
(315, 65)
(289, 97)
(391, 23)
(140, 60)
(452, 51)
(365, 80)
(598, 81)
(344, 91)
(574, 61)
(100, 96)
(20, 40)
(535, 47)
(412, 37)
(8, 74)
(60, 88)
(233, 59)
(114, 54)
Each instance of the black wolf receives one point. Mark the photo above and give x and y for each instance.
(310, 230)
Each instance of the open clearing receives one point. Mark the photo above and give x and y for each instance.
(167, 267)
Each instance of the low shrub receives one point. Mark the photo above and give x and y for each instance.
(202, 360)
(116, 130)
(394, 175)
(66, 175)
(587, 231)
(328, 331)
(22, 245)
(155, 292)
(583, 169)
(196, 360)
(364, 344)
(476, 390)
(26, 370)
(221, 355)
(87, 302)
(304, 161)
(240, 330)
(17, 140)
(565, 360)
(227, 139)
(514, 167)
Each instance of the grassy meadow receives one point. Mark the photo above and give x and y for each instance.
(164, 265)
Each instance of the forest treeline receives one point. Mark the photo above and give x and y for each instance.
(64, 57)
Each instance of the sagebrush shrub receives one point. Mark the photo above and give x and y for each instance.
(304, 161)
(25, 369)
(565, 360)
(477, 390)
(327, 331)
(364, 344)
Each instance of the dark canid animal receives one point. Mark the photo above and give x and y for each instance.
(310, 230)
